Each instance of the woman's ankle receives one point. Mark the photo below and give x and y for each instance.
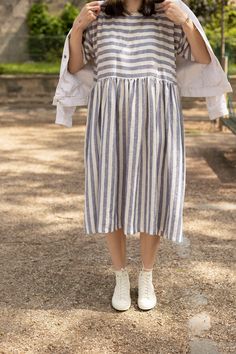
(146, 268)
(118, 269)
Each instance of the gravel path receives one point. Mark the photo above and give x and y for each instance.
(56, 284)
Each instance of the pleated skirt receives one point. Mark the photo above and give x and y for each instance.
(134, 158)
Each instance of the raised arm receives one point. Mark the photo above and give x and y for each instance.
(87, 15)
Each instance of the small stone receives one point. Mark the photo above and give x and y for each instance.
(199, 323)
(198, 299)
(203, 346)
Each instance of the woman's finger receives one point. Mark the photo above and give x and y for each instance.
(93, 3)
(165, 3)
(95, 7)
(169, 2)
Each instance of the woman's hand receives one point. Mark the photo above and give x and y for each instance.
(173, 11)
(87, 14)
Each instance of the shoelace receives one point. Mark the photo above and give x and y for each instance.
(147, 285)
(121, 282)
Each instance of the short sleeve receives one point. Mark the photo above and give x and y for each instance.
(182, 46)
(88, 44)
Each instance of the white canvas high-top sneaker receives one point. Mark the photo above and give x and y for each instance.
(121, 299)
(146, 293)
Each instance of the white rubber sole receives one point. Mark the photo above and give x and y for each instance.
(147, 307)
(120, 308)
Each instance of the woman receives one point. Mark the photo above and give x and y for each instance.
(134, 148)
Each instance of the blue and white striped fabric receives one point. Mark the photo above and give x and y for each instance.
(134, 144)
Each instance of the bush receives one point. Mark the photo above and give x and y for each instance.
(47, 32)
(67, 16)
(209, 13)
(213, 32)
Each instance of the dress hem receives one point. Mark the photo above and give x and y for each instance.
(159, 233)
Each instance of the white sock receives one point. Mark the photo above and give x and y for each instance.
(119, 270)
(146, 269)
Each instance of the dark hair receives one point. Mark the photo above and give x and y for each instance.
(116, 7)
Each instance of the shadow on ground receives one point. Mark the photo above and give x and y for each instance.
(56, 283)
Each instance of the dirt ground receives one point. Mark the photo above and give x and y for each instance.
(56, 283)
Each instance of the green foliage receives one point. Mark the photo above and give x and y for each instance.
(47, 32)
(204, 9)
(213, 31)
(68, 15)
(209, 14)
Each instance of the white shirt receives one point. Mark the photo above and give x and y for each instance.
(194, 80)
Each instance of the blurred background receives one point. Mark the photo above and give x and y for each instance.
(32, 31)
(32, 34)
(56, 284)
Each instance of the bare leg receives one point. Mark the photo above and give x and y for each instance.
(149, 245)
(116, 242)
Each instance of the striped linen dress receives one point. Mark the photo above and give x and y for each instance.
(134, 150)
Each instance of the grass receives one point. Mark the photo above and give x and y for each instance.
(30, 68)
(52, 68)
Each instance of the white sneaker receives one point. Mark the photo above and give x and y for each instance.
(121, 299)
(146, 293)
